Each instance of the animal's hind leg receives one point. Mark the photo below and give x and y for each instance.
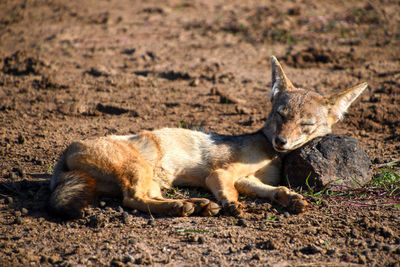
(142, 193)
(159, 206)
(147, 197)
(280, 194)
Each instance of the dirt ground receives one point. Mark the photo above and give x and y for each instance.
(76, 69)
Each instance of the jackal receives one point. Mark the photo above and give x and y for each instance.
(137, 168)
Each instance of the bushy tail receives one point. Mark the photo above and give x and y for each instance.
(71, 192)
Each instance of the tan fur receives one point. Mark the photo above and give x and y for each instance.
(137, 168)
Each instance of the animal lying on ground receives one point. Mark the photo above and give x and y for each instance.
(137, 168)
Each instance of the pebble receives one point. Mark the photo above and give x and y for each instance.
(13, 176)
(286, 214)
(242, 222)
(354, 233)
(10, 200)
(24, 211)
(310, 249)
(128, 258)
(194, 82)
(18, 220)
(192, 238)
(21, 139)
(102, 204)
(125, 217)
(201, 240)
(117, 263)
(19, 171)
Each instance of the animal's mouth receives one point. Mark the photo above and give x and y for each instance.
(281, 150)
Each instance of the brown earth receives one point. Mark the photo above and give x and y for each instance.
(76, 69)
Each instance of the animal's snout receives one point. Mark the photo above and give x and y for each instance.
(280, 141)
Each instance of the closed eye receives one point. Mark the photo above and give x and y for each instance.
(308, 123)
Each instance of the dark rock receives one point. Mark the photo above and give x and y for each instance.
(327, 159)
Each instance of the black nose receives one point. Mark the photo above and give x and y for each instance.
(280, 141)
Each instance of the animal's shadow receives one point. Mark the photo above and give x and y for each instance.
(29, 197)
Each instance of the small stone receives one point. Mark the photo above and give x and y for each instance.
(248, 247)
(346, 257)
(192, 238)
(232, 250)
(286, 214)
(120, 209)
(201, 240)
(10, 200)
(39, 162)
(24, 211)
(310, 249)
(242, 110)
(17, 213)
(387, 248)
(13, 176)
(268, 245)
(95, 221)
(43, 259)
(116, 263)
(128, 258)
(354, 233)
(18, 220)
(125, 217)
(194, 82)
(21, 139)
(102, 204)
(242, 222)
(256, 256)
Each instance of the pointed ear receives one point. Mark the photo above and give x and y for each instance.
(340, 102)
(280, 82)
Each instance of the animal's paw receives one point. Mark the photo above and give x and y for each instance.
(205, 207)
(293, 201)
(297, 204)
(184, 209)
(234, 208)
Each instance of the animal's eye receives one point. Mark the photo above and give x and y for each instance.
(308, 123)
(280, 114)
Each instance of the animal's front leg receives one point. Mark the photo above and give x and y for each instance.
(221, 184)
(282, 195)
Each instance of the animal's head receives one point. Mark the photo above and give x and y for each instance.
(299, 115)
